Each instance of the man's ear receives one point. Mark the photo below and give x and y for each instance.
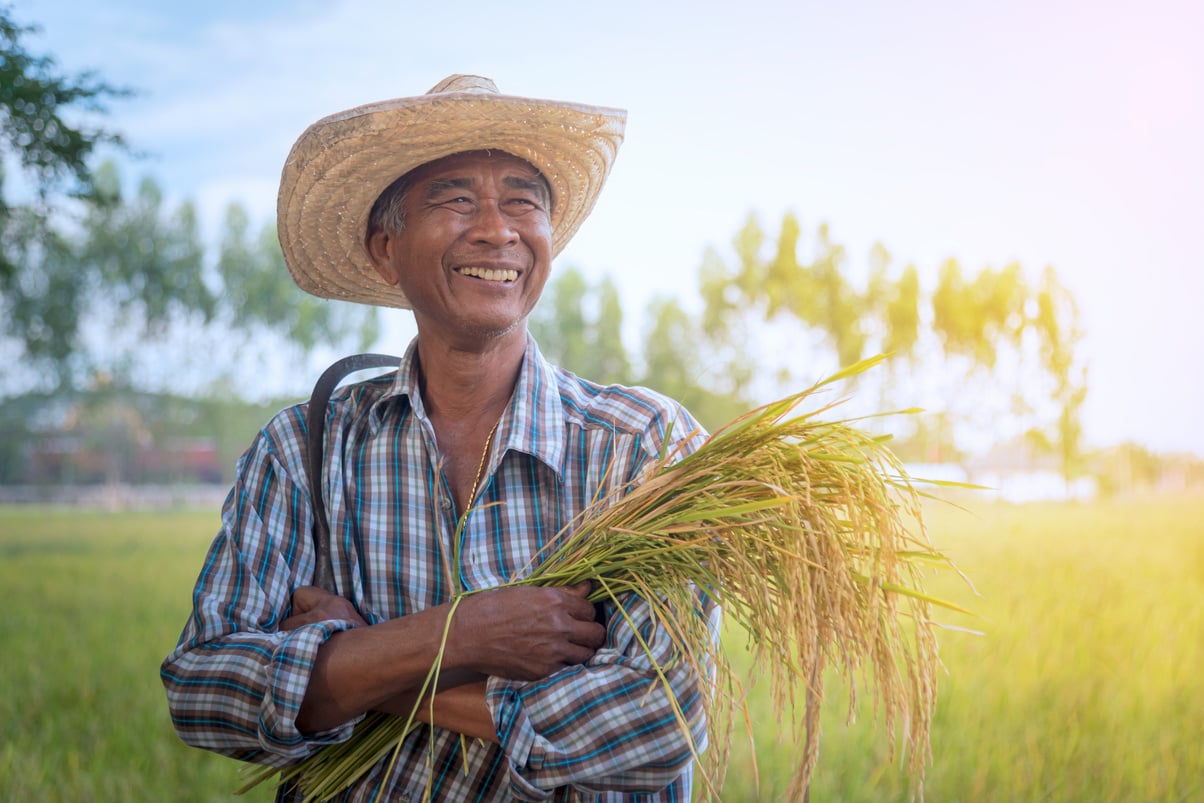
(380, 246)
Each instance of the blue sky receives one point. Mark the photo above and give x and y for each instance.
(1052, 133)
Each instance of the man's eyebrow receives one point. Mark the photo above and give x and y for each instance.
(439, 185)
(535, 185)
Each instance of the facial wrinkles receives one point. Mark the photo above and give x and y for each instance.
(436, 187)
(538, 186)
(495, 249)
(439, 188)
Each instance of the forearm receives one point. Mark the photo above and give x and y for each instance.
(461, 709)
(365, 668)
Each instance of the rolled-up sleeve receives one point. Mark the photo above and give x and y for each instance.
(611, 725)
(234, 682)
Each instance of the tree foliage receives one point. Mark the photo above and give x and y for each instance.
(979, 335)
(128, 265)
(974, 318)
(612, 364)
(579, 326)
(679, 363)
(39, 304)
(258, 297)
(44, 126)
(45, 131)
(146, 259)
(831, 320)
(987, 334)
(135, 269)
(1060, 332)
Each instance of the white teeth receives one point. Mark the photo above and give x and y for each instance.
(489, 274)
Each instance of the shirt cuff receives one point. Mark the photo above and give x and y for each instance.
(517, 736)
(288, 671)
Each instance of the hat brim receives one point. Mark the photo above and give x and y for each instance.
(341, 164)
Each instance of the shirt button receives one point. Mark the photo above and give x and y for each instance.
(445, 503)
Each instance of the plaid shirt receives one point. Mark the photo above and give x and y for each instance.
(604, 731)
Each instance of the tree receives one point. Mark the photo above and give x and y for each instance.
(130, 270)
(559, 323)
(1057, 324)
(675, 364)
(40, 304)
(146, 259)
(260, 300)
(896, 304)
(835, 306)
(44, 131)
(36, 104)
(976, 319)
(579, 327)
(829, 320)
(611, 363)
(41, 125)
(986, 327)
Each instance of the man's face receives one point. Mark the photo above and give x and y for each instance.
(476, 247)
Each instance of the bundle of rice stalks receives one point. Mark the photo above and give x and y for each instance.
(809, 535)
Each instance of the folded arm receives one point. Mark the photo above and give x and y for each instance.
(268, 665)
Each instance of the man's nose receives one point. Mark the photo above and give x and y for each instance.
(491, 225)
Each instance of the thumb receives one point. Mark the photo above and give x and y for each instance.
(306, 598)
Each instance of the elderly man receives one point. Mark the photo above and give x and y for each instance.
(448, 476)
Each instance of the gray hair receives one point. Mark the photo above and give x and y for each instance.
(388, 212)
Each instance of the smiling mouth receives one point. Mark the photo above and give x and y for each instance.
(489, 274)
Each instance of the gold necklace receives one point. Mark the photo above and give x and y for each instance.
(454, 575)
(472, 495)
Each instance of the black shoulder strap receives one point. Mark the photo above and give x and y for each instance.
(315, 424)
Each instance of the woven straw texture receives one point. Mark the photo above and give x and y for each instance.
(342, 163)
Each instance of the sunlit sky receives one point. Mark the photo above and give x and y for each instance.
(1050, 133)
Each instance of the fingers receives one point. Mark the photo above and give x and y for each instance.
(581, 626)
(526, 633)
(307, 598)
(582, 589)
(312, 604)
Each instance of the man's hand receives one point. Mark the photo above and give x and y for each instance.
(312, 604)
(516, 633)
(524, 633)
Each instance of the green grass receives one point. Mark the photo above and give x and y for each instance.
(93, 604)
(1084, 687)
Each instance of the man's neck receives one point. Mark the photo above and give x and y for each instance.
(465, 392)
(463, 384)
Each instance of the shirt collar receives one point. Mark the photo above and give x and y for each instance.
(404, 387)
(533, 422)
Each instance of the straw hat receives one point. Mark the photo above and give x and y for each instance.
(343, 162)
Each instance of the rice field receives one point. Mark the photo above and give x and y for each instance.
(1084, 685)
